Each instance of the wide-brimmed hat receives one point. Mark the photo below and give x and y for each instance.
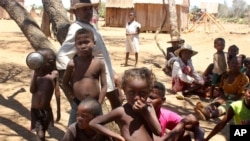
(81, 3)
(185, 47)
(176, 39)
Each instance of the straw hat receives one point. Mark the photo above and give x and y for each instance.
(176, 39)
(81, 3)
(185, 47)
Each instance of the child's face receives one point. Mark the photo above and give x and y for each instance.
(186, 54)
(219, 45)
(233, 52)
(247, 97)
(49, 61)
(247, 64)
(84, 44)
(155, 99)
(84, 116)
(136, 89)
(131, 16)
(235, 64)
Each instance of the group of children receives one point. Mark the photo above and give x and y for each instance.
(143, 116)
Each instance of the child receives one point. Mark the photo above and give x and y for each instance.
(171, 120)
(136, 118)
(239, 110)
(233, 51)
(43, 85)
(246, 69)
(88, 109)
(231, 88)
(132, 37)
(220, 63)
(184, 77)
(81, 78)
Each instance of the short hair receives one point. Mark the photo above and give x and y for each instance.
(233, 46)
(93, 104)
(159, 86)
(219, 39)
(86, 31)
(139, 73)
(246, 60)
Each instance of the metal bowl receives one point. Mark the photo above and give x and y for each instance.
(34, 60)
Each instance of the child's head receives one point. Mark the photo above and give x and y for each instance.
(247, 95)
(233, 50)
(185, 52)
(157, 95)
(87, 110)
(49, 57)
(247, 62)
(137, 84)
(219, 44)
(84, 41)
(132, 15)
(235, 64)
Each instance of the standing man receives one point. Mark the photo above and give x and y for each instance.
(132, 38)
(83, 11)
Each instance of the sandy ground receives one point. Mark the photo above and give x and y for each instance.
(15, 76)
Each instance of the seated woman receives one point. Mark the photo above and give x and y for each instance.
(231, 88)
(184, 78)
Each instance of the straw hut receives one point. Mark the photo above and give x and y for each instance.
(4, 14)
(150, 13)
(117, 12)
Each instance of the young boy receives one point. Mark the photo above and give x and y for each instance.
(43, 84)
(88, 109)
(136, 119)
(83, 73)
(132, 38)
(220, 63)
(239, 110)
(171, 120)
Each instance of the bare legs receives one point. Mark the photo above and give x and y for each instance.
(127, 56)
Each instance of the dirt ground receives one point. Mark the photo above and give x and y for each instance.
(15, 76)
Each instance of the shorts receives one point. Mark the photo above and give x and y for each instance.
(215, 79)
(41, 119)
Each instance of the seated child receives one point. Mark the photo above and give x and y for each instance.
(231, 88)
(210, 79)
(171, 120)
(239, 110)
(87, 110)
(85, 75)
(246, 69)
(136, 118)
(184, 77)
(43, 84)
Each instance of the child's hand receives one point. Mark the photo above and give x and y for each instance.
(140, 105)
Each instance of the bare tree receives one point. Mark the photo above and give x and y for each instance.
(31, 29)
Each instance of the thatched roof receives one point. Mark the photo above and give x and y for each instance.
(177, 2)
(120, 3)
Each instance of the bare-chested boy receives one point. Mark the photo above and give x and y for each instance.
(83, 73)
(43, 85)
(136, 119)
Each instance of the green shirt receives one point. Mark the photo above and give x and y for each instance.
(241, 112)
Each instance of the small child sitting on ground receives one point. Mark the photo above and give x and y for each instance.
(87, 110)
(136, 119)
(172, 121)
(239, 110)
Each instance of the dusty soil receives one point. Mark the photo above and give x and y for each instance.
(15, 76)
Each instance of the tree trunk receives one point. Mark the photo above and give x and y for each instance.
(45, 25)
(27, 24)
(58, 17)
(173, 19)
